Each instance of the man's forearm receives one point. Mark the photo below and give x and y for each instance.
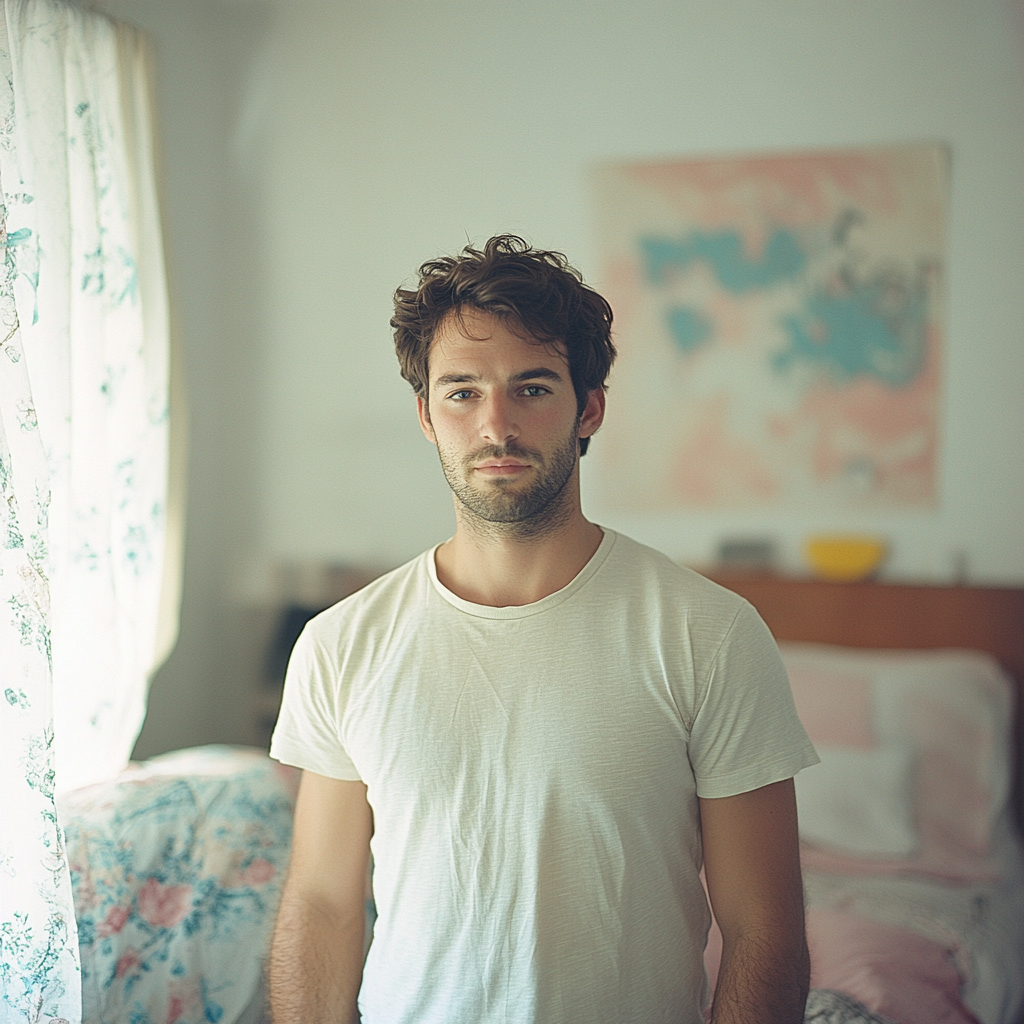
(761, 982)
(316, 964)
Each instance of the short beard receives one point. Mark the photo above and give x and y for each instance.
(538, 510)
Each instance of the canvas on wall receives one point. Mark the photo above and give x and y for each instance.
(779, 323)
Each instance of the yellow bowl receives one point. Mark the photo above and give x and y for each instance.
(845, 559)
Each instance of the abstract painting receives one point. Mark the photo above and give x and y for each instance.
(779, 322)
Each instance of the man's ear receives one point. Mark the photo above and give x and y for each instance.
(424, 415)
(593, 413)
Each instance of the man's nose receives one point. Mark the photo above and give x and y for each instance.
(499, 425)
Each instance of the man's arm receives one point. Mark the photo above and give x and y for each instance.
(752, 868)
(316, 959)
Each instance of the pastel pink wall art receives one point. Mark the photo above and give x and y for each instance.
(780, 324)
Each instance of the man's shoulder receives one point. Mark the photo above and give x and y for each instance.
(655, 571)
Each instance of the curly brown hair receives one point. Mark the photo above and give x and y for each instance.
(531, 291)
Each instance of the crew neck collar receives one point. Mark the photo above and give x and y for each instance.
(521, 611)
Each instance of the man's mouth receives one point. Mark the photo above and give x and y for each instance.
(501, 467)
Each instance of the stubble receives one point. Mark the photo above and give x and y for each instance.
(507, 507)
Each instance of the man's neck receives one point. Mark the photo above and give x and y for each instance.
(502, 568)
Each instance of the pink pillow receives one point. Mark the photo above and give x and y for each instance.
(834, 705)
(952, 710)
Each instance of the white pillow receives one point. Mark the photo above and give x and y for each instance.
(859, 801)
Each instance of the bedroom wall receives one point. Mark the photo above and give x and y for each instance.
(316, 153)
(389, 132)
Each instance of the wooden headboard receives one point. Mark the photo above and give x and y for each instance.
(896, 616)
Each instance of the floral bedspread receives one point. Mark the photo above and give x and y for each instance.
(177, 866)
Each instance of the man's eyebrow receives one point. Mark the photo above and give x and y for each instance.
(537, 373)
(456, 378)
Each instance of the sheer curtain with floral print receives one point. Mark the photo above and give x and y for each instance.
(90, 534)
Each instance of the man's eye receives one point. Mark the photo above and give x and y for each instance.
(461, 396)
(535, 391)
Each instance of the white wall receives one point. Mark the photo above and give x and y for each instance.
(316, 153)
(382, 133)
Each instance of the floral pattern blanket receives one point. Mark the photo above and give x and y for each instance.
(177, 866)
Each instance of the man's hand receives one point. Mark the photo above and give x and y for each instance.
(752, 868)
(316, 959)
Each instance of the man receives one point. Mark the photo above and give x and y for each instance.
(544, 728)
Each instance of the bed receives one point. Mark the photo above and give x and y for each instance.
(910, 828)
(177, 866)
(915, 895)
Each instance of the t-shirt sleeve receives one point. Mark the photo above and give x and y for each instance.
(307, 731)
(746, 733)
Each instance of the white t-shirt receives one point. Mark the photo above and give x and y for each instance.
(534, 773)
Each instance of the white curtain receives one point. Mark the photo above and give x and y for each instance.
(87, 560)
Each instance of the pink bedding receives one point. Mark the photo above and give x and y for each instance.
(894, 972)
(913, 870)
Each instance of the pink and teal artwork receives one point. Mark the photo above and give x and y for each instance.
(780, 324)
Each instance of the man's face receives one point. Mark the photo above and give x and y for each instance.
(502, 412)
